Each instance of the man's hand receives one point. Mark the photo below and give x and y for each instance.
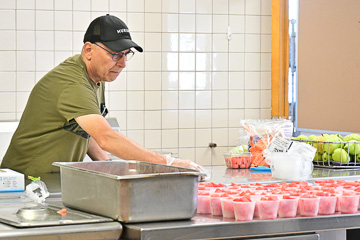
(184, 163)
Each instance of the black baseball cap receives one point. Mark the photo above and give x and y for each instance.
(112, 32)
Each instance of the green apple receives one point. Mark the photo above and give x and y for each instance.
(349, 137)
(302, 137)
(340, 155)
(312, 137)
(339, 136)
(318, 156)
(335, 142)
(354, 158)
(326, 157)
(352, 147)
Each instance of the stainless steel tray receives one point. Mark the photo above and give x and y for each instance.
(20, 212)
(130, 191)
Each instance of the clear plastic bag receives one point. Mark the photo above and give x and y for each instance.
(244, 137)
(261, 132)
(37, 191)
(293, 165)
(268, 127)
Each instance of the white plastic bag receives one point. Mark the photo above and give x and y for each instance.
(37, 191)
(293, 165)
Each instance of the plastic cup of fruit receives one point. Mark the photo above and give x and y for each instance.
(278, 196)
(327, 205)
(349, 203)
(297, 196)
(203, 204)
(309, 205)
(358, 193)
(268, 209)
(215, 204)
(288, 207)
(337, 207)
(256, 198)
(244, 211)
(227, 207)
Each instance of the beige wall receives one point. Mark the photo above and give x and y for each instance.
(190, 87)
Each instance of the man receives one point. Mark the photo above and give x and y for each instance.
(64, 117)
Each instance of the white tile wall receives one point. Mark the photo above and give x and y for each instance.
(190, 87)
(63, 4)
(8, 81)
(10, 99)
(118, 5)
(25, 81)
(186, 119)
(203, 119)
(187, 23)
(203, 6)
(135, 120)
(169, 119)
(219, 118)
(153, 119)
(153, 6)
(187, 138)
(7, 40)
(25, 20)
(135, 5)
(187, 6)
(81, 5)
(26, 4)
(170, 22)
(237, 6)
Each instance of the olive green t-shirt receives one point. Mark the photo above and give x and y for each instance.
(47, 131)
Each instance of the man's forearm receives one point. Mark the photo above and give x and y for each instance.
(127, 149)
(113, 142)
(95, 152)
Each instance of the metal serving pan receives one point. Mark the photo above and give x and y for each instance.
(130, 191)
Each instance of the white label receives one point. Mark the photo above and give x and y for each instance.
(279, 144)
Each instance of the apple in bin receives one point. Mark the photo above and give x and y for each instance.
(334, 143)
(340, 155)
(326, 156)
(352, 148)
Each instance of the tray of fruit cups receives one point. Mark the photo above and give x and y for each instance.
(247, 202)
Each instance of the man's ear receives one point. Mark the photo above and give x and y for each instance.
(88, 51)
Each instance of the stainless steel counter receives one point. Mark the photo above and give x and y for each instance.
(208, 227)
(201, 226)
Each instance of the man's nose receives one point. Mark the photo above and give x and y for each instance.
(122, 62)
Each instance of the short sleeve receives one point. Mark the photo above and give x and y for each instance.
(77, 100)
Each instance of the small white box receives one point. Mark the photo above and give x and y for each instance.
(11, 181)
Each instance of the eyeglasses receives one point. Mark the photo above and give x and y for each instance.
(117, 56)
